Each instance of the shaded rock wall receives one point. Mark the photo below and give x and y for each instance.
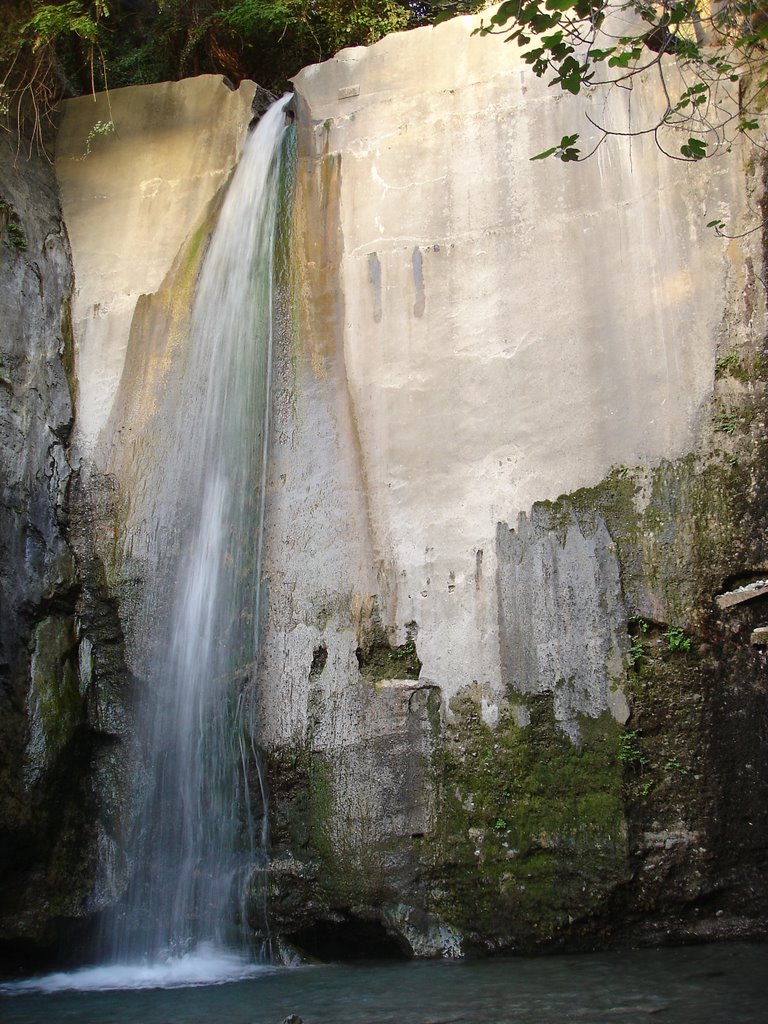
(47, 801)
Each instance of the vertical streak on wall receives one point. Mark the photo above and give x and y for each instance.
(322, 312)
(418, 282)
(321, 309)
(374, 277)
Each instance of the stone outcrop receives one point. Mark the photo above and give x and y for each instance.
(46, 803)
(518, 448)
(139, 200)
(131, 197)
(68, 762)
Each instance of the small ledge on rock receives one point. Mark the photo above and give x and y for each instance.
(759, 636)
(741, 594)
(400, 684)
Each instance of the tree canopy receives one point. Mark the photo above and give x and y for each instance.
(710, 56)
(69, 47)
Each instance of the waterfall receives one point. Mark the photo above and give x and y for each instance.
(198, 841)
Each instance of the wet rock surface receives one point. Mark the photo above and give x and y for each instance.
(40, 818)
(49, 736)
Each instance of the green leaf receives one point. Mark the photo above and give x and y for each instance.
(545, 154)
(565, 150)
(53, 20)
(623, 60)
(572, 75)
(598, 55)
(507, 11)
(531, 56)
(694, 149)
(553, 41)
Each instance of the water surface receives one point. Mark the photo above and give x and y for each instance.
(719, 984)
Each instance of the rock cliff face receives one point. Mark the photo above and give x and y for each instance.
(68, 762)
(523, 451)
(47, 808)
(518, 447)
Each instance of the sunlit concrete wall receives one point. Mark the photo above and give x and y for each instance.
(509, 330)
(137, 168)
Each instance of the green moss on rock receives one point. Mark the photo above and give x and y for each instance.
(695, 784)
(55, 702)
(532, 833)
(379, 659)
(10, 226)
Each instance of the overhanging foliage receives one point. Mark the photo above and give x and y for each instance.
(710, 58)
(69, 47)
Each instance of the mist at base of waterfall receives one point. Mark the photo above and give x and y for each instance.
(205, 965)
(719, 984)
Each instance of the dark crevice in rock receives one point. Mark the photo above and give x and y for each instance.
(319, 659)
(61, 665)
(348, 938)
(62, 602)
(743, 579)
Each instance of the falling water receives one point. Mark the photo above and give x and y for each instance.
(198, 840)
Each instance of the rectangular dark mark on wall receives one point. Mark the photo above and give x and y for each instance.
(478, 567)
(418, 281)
(374, 276)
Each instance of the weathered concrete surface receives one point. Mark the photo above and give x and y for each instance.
(512, 330)
(476, 334)
(131, 196)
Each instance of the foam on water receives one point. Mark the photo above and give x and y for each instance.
(206, 965)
